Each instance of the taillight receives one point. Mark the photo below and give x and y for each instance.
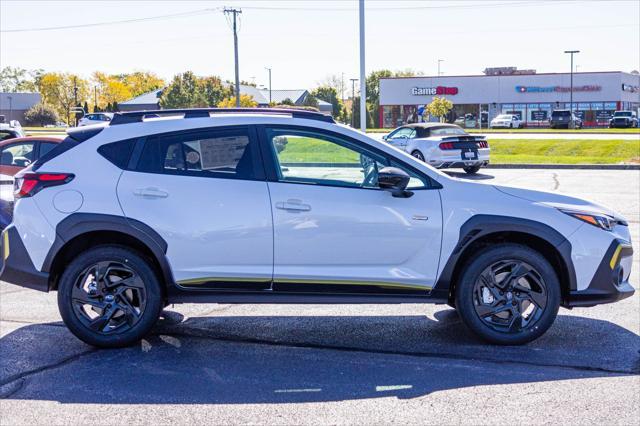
(30, 184)
(483, 144)
(446, 145)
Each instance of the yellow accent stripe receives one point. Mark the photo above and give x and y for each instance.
(199, 281)
(5, 244)
(614, 259)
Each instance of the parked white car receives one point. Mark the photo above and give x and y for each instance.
(441, 145)
(232, 206)
(95, 118)
(507, 121)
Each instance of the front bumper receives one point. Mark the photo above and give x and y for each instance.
(16, 266)
(610, 283)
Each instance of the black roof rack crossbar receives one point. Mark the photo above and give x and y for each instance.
(138, 116)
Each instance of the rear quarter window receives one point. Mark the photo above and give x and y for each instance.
(119, 152)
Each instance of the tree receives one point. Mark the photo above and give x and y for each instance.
(18, 79)
(330, 94)
(40, 115)
(110, 88)
(57, 90)
(287, 101)
(183, 92)
(439, 107)
(141, 82)
(356, 115)
(246, 101)
(310, 101)
(214, 90)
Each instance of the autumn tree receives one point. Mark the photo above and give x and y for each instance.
(58, 91)
(439, 107)
(246, 101)
(13, 79)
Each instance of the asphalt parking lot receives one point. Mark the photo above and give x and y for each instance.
(364, 364)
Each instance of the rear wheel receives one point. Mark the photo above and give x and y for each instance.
(418, 155)
(472, 170)
(508, 294)
(109, 297)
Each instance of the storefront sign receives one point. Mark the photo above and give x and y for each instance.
(630, 88)
(551, 89)
(539, 115)
(430, 91)
(604, 115)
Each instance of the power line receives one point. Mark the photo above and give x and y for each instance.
(124, 21)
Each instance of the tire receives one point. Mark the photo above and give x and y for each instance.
(473, 298)
(105, 312)
(472, 170)
(417, 154)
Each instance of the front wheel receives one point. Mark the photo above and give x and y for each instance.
(472, 170)
(418, 155)
(508, 294)
(109, 296)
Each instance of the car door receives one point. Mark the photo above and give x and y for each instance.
(335, 230)
(205, 193)
(400, 138)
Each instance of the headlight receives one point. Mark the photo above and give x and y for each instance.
(601, 221)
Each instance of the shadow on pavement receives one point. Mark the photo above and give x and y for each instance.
(279, 359)
(464, 175)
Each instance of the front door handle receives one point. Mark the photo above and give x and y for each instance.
(293, 205)
(150, 193)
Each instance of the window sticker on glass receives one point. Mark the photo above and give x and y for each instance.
(222, 153)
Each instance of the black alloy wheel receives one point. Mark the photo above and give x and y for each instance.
(508, 294)
(110, 296)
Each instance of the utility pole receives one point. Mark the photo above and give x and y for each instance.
(572, 124)
(363, 76)
(235, 13)
(353, 101)
(75, 97)
(439, 61)
(269, 69)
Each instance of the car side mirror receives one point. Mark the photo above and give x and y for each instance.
(385, 137)
(394, 180)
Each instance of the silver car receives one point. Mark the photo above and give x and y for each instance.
(441, 145)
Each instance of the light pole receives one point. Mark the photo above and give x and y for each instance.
(269, 69)
(363, 77)
(353, 101)
(571, 122)
(439, 61)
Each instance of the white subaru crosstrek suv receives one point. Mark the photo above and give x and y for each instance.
(441, 145)
(285, 206)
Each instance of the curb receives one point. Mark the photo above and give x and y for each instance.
(566, 166)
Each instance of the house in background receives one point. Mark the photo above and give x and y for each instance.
(151, 100)
(14, 105)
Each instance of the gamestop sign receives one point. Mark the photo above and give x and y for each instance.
(430, 91)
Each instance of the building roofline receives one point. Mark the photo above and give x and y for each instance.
(506, 75)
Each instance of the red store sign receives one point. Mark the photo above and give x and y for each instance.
(430, 91)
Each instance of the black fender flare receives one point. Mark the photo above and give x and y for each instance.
(481, 225)
(77, 224)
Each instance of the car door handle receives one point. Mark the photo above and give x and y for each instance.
(293, 205)
(150, 193)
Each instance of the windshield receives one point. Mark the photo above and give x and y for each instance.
(447, 131)
(560, 113)
(622, 114)
(503, 117)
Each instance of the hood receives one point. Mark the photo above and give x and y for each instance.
(558, 201)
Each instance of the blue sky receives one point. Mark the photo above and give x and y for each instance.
(304, 41)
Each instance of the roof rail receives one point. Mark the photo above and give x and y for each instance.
(138, 116)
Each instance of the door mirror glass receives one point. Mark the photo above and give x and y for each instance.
(394, 180)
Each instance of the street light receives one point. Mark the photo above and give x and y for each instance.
(269, 69)
(572, 123)
(439, 61)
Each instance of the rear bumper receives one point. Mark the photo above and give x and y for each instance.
(610, 283)
(16, 266)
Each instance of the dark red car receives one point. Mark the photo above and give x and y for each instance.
(15, 155)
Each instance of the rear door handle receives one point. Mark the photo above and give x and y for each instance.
(293, 205)
(150, 193)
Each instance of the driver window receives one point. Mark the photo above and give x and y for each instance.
(19, 155)
(319, 159)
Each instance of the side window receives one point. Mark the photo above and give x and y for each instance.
(404, 132)
(320, 159)
(19, 155)
(90, 117)
(215, 153)
(45, 147)
(118, 152)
